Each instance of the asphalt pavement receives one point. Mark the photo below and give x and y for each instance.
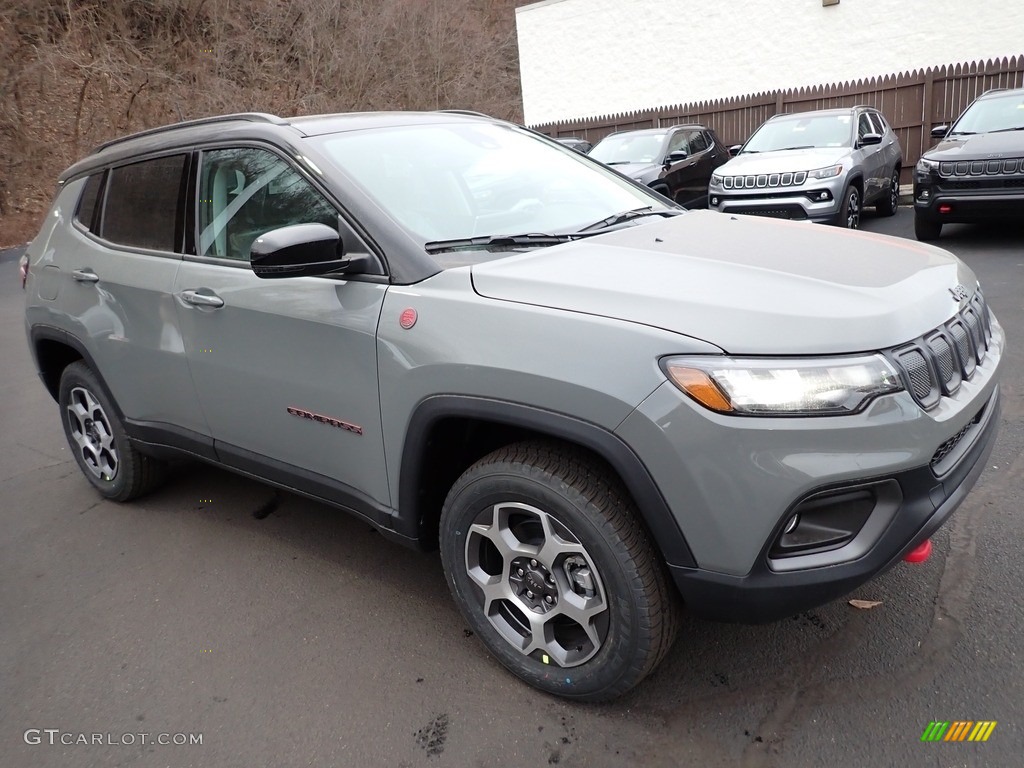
(280, 632)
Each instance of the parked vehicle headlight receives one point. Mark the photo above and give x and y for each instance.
(716, 180)
(783, 387)
(825, 173)
(924, 167)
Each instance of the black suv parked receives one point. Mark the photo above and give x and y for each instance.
(976, 173)
(677, 161)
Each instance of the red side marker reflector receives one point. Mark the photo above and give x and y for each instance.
(408, 318)
(920, 553)
(945, 208)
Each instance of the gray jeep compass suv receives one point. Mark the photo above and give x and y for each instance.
(597, 405)
(822, 166)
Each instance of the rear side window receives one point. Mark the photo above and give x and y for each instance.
(87, 202)
(143, 204)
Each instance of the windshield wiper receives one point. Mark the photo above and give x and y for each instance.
(484, 242)
(621, 218)
(1003, 130)
(622, 162)
(961, 133)
(786, 149)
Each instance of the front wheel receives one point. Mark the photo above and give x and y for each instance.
(849, 217)
(547, 560)
(925, 229)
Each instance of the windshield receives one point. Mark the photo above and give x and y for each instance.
(996, 113)
(630, 148)
(802, 132)
(479, 180)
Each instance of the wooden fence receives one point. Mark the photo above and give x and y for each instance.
(912, 102)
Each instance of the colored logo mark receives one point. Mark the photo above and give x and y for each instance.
(958, 730)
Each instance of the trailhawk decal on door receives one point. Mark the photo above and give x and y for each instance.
(319, 417)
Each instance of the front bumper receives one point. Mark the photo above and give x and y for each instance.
(967, 200)
(794, 205)
(765, 594)
(878, 482)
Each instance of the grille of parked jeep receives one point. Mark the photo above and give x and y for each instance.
(934, 365)
(982, 167)
(764, 180)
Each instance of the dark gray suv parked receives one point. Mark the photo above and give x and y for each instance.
(976, 173)
(473, 338)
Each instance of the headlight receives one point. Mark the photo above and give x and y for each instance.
(925, 166)
(716, 179)
(783, 387)
(825, 173)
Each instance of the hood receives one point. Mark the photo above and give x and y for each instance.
(984, 146)
(645, 172)
(745, 284)
(783, 161)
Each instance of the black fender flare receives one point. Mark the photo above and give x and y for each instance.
(638, 481)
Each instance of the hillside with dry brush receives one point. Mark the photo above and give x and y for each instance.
(75, 73)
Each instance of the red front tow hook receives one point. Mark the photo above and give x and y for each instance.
(920, 553)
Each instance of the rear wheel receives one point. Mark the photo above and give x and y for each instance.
(925, 229)
(546, 559)
(888, 205)
(98, 441)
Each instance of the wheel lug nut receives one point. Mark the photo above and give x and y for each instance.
(533, 563)
(520, 571)
(529, 594)
(551, 578)
(549, 599)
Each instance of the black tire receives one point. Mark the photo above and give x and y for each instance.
(849, 215)
(925, 229)
(887, 206)
(575, 552)
(98, 441)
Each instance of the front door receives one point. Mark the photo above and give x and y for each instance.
(286, 369)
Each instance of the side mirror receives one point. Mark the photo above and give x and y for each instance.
(940, 131)
(296, 251)
(870, 139)
(676, 157)
(735, 149)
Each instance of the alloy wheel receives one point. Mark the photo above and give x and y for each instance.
(91, 434)
(537, 585)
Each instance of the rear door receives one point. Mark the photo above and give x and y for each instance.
(118, 263)
(285, 369)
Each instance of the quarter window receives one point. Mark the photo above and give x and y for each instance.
(245, 193)
(87, 202)
(143, 204)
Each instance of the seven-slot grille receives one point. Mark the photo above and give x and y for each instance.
(934, 365)
(765, 180)
(982, 167)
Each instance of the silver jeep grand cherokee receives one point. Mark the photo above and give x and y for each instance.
(599, 406)
(822, 166)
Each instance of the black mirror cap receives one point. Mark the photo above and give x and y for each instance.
(940, 131)
(676, 157)
(296, 251)
(735, 149)
(870, 139)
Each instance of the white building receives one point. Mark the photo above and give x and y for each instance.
(583, 58)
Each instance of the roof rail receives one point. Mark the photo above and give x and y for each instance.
(464, 112)
(253, 117)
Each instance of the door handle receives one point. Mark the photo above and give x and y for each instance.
(197, 299)
(85, 276)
